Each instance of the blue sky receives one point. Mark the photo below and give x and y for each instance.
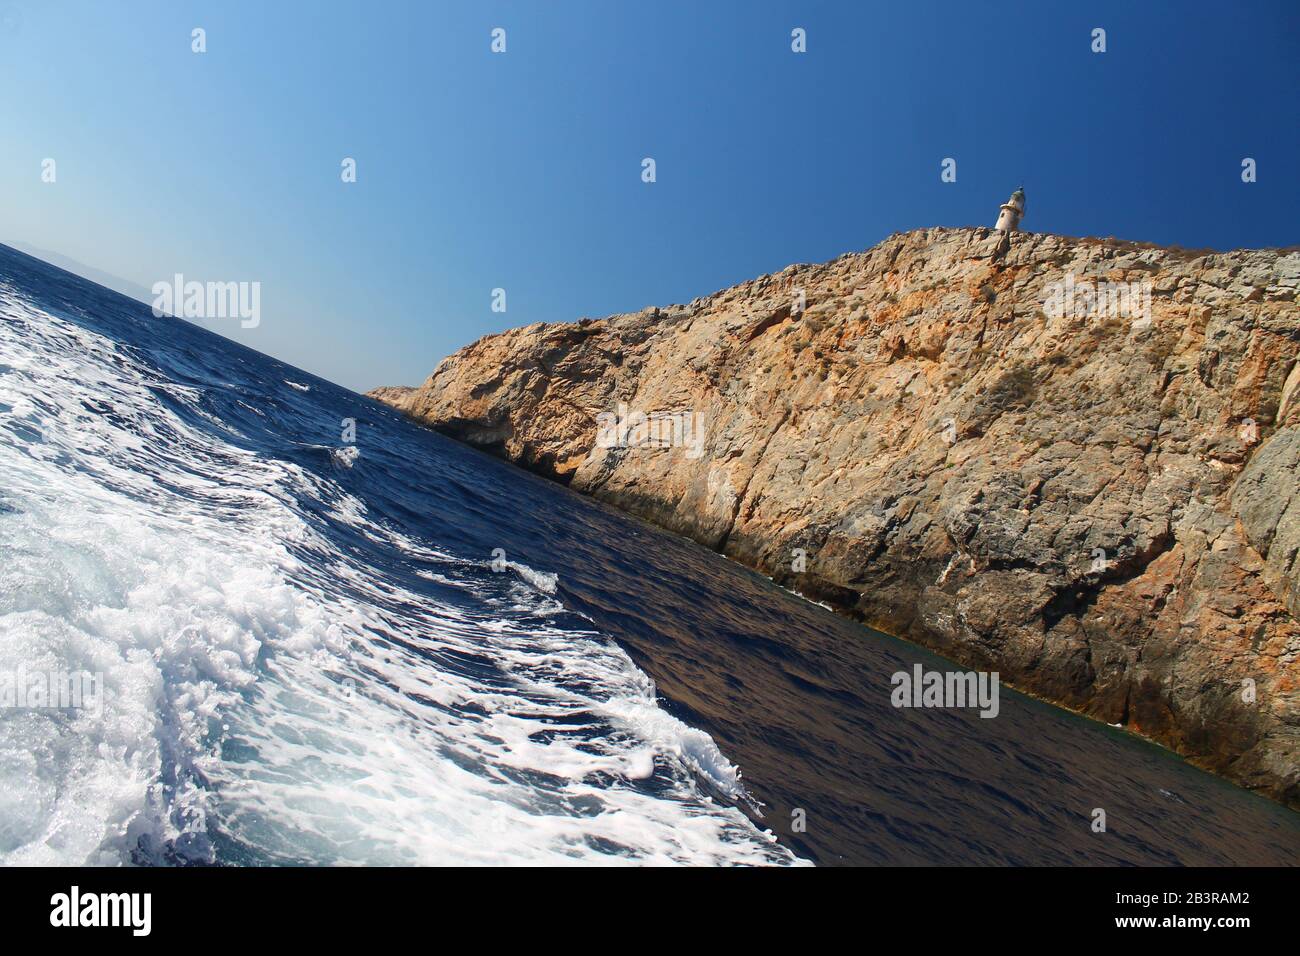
(522, 170)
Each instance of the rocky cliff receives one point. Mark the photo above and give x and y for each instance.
(1073, 461)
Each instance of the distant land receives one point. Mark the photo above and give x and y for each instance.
(106, 279)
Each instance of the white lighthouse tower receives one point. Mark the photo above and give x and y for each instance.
(1013, 210)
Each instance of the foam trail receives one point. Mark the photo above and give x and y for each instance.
(270, 697)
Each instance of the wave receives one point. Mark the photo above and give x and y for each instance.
(273, 696)
(544, 582)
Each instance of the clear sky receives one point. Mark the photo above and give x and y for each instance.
(522, 170)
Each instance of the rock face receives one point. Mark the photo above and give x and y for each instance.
(391, 394)
(1076, 462)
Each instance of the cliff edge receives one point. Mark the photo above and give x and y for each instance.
(1073, 461)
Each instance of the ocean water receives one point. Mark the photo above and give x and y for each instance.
(387, 648)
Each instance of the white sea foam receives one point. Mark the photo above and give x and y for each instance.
(265, 691)
(544, 582)
(346, 456)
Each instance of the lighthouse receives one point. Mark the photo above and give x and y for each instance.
(1013, 210)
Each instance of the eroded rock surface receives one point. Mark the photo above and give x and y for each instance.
(1104, 509)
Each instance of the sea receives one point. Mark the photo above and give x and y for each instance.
(307, 631)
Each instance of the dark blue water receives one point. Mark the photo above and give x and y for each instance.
(414, 653)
